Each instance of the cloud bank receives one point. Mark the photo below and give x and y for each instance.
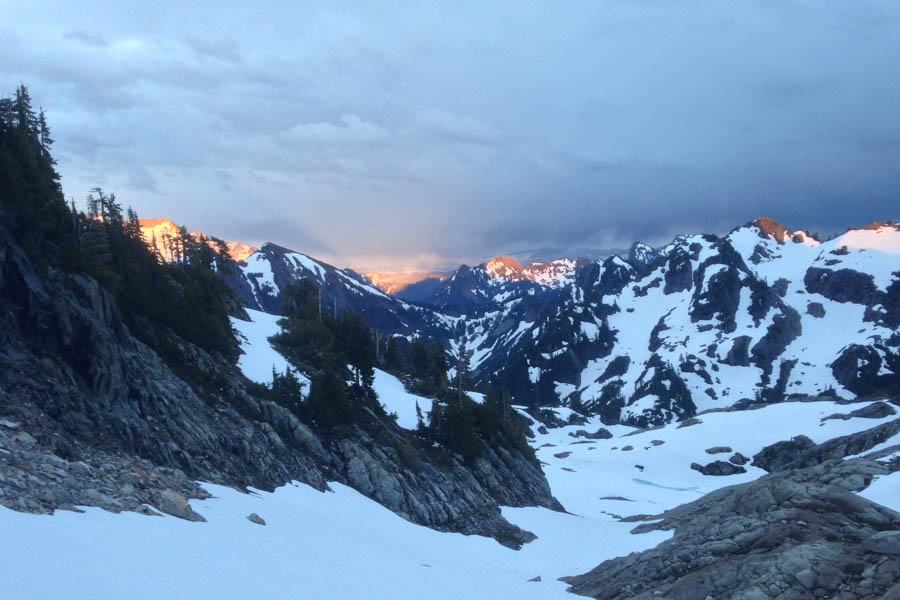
(393, 135)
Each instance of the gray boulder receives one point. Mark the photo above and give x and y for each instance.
(600, 434)
(172, 503)
(738, 459)
(779, 455)
(718, 468)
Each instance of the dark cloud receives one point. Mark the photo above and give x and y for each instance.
(420, 134)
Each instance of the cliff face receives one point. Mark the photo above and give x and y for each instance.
(80, 393)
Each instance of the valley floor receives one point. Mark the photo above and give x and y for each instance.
(342, 545)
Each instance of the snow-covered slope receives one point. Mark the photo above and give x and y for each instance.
(762, 313)
(707, 322)
(340, 544)
(396, 400)
(262, 279)
(259, 358)
(484, 287)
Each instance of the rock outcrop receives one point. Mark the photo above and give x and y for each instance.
(787, 535)
(799, 532)
(92, 404)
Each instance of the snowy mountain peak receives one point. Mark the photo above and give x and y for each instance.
(768, 228)
(551, 273)
(879, 236)
(772, 228)
(159, 232)
(503, 267)
(641, 256)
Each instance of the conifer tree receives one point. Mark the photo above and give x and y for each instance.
(418, 357)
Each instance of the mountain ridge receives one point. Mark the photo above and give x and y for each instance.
(735, 306)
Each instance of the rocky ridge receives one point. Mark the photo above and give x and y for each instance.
(799, 532)
(77, 388)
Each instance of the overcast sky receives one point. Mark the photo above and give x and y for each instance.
(397, 135)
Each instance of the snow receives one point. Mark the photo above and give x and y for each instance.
(342, 545)
(563, 389)
(871, 251)
(884, 490)
(395, 399)
(259, 356)
(590, 330)
(476, 397)
(315, 545)
(884, 239)
(639, 406)
(555, 273)
(258, 264)
(305, 262)
(601, 468)
(362, 286)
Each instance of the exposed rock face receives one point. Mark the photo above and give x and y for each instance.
(876, 410)
(843, 285)
(600, 434)
(777, 456)
(34, 479)
(708, 304)
(644, 258)
(783, 536)
(838, 448)
(885, 542)
(866, 370)
(81, 389)
(815, 309)
(718, 468)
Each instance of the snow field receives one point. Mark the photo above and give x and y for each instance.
(259, 357)
(342, 545)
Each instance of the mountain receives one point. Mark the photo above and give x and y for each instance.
(420, 291)
(499, 280)
(759, 314)
(551, 253)
(159, 232)
(145, 413)
(261, 280)
(419, 285)
(121, 381)
(408, 285)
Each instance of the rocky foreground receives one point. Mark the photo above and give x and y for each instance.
(800, 532)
